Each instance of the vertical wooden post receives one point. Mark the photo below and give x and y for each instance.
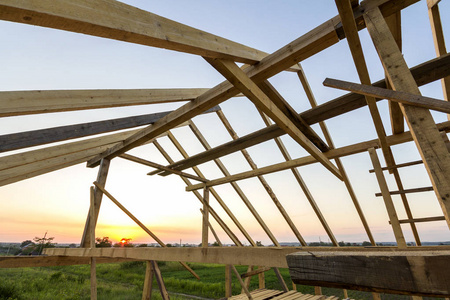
(228, 286)
(345, 293)
(148, 282)
(101, 179)
(92, 242)
(387, 199)
(205, 217)
(262, 280)
(318, 290)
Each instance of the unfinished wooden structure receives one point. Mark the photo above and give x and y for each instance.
(412, 270)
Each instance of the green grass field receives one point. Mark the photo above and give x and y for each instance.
(125, 281)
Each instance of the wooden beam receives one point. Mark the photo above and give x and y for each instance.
(425, 73)
(421, 220)
(161, 167)
(255, 272)
(351, 32)
(439, 41)
(280, 279)
(305, 46)
(307, 160)
(256, 256)
(393, 218)
(26, 139)
(52, 261)
(418, 273)
(428, 140)
(397, 120)
(244, 287)
(17, 103)
(408, 164)
(406, 191)
(397, 96)
(240, 80)
(126, 23)
(98, 194)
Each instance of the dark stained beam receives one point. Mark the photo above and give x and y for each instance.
(419, 273)
(26, 139)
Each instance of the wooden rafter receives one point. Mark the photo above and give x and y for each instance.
(425, 73)
(17, 103)
(307, 160)
(305, 46)
(346, 180)
(119, 21)
(426, 135)
(241, 81)
(397, 96)
(439, 41)
(351, 32)
(39, 137)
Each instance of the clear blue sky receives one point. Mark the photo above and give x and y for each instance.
(35, 58)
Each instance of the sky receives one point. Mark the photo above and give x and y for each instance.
(35, 58)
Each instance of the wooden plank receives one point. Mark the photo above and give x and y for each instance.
(421, 220)
(397, 121)
(428, 140)
(51, 261)
(418, 273)
(17, 103)
(408, 164)
(348, 185)
(425, 73)
(98, 194)
(305, 46)
(148, 281)
(240, 80)
(307, 160)
(126, 23)
(140, 224)
(400, 239)
(200, 197)
(439, 41)
(255, 272)
(406, 191)
(351, 32)
(26, 139)
(401, 97)
(256, 256)
(161, 167)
